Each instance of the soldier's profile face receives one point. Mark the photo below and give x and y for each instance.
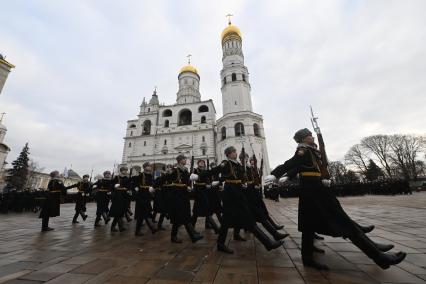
(232, 155)
(309, 140)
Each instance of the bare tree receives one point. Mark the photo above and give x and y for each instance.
(357, 157)
(405, 151)
(379, 146)
(337, 171)
(33, 170)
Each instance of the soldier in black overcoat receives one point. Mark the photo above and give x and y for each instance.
(52, 203)
(179, 202)
(236, 212)
(319, 209)
(119, 200)
(201, 206)
(84, 189)
(103, 188)
(144, 188)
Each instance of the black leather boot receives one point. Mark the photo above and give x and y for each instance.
(271, 230)
(174, 238)
(367, 246)
(192, 234)
(160, 223)
(383, 247)
(74, 219)
(212, 224)
(97, 220)
(276, 226)
(308, 252)
(265, 240)
(366, 229)
(224, 248)
(138, 228)
(237, 236)
(114, 225)
(150, 225)
(120, 225)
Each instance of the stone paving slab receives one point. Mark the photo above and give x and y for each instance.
(80, 253)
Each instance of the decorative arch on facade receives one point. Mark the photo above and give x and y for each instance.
(167, 113)
(203, 108)
(223, 133)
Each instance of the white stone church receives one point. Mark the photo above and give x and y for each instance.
(161, 132)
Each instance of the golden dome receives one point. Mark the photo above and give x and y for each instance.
(188, 68)
(231, 29)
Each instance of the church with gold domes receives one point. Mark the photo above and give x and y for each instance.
(161, 132)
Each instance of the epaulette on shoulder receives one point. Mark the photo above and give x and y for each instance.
(301, 151)
(223, 164)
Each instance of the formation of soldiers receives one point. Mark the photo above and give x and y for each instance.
(229, 192)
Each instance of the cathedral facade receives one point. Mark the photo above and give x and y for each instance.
(161, 132)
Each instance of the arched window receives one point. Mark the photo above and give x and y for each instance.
(203, 108)
(256, 130)
(146, 127)
(223, 132)
(167, 113)
(185, 117)
(203, 119)
(166, 123)
(234, 77)
(203, 139)
(204, 151)
(244, 77)
(165, 142)
(144, 143)
(130, 144)
(131, 133)
(132, 126)
(239, 129)
(149, 109)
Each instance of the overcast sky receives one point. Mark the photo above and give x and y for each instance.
(83, 68)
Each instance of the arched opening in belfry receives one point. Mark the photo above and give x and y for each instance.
(256, 130)
(223, 132)
(239, 129)
(146, 127)
(234, 77)
(185, 117)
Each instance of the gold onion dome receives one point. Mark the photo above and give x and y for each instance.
(188, 68)
(231, 30)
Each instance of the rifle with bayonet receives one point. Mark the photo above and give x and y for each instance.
(324, 162)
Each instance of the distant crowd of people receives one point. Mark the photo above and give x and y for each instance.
(378, 187)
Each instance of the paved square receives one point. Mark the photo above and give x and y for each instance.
(81, 254)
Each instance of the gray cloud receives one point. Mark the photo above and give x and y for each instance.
(83, 68)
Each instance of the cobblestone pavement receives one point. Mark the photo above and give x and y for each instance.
(81, 254)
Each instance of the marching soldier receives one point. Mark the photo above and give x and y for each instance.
(143, 184)
(319, 210)
(201, 206)
(84, 188)
(180, 206)
(119, 204)
(236, 213)
(52, 203)
(104, 188)
(162, 196)
(255, 202)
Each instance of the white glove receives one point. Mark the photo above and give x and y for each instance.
(117, 185)
(270, 179)
(244, 185)
(136, 188)
(326, 182)
(189, 189)
(95, 186)
(208, 186)
(283, 179)
(129, 192)
(193, 177)
(109, 192)
(151, 189)
(215, 183)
